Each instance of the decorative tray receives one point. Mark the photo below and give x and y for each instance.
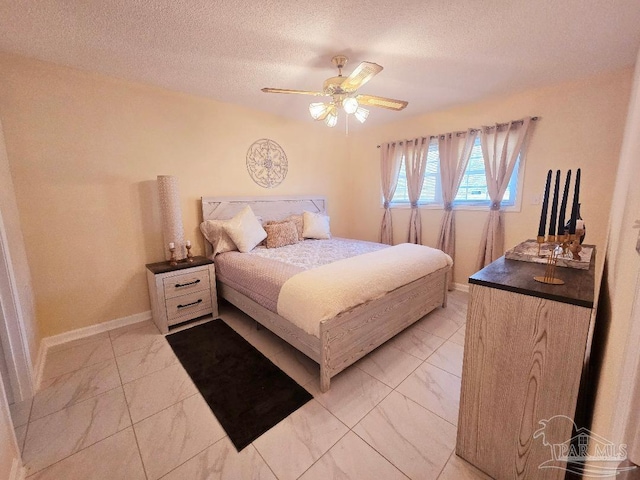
(527, 251)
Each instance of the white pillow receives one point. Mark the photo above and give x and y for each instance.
(315, 225)
(213, 231)
(245, 230)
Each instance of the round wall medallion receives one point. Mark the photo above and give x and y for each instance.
(267, 163)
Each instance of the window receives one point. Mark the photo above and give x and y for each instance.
(431, 193)
(473, 188)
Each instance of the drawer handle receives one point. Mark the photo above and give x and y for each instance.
(178, 285)
(190, 304)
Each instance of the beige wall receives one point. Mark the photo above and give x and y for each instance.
(581, 126)
(84, 152)
(621, 285)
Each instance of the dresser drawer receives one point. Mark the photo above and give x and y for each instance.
(186, 283)
(185, 307)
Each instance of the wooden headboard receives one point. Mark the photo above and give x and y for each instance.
(268, 208)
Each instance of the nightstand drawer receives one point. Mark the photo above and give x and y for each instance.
(186, 283)
(188, 306)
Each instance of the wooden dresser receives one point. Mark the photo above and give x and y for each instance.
(524, 353)
(181, 292)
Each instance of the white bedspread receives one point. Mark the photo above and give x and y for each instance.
(321, 293)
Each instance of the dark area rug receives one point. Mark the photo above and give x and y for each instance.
(246, 392)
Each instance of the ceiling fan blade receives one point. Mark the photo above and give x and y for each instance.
(299, 92)
(383, 102)
(361, 75)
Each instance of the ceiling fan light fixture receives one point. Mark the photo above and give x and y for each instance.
(332, 119)
(361, 114)
(350, 105)
(318, 110)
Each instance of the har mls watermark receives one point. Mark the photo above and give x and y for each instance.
(601, 459)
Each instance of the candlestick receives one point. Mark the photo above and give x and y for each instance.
(189, 254)
(574, 208)
(172, 249)
(545, 206)
(554, 208)
(563, 205)
(188, 244)
(172, 245)
(540, 240)
(550, 270)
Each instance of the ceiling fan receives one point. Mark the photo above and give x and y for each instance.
(343, 92)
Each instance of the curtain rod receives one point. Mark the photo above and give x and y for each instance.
(473, 130)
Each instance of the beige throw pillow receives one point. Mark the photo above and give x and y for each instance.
(296, 219)
(281, 234)
(298, 222)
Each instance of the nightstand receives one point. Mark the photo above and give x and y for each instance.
(181, 292)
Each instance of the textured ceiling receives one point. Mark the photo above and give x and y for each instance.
(435, 53)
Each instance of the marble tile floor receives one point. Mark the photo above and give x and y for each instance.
(120, 406)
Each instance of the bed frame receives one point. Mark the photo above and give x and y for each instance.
(349, 336)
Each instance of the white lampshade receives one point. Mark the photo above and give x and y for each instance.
(361, 114)
(318, 110)
(171, 213)
(350, 105)
(332, 119)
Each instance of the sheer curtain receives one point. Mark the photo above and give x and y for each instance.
(415, 159)
(454, 158)
(390, 157)
(500, 149)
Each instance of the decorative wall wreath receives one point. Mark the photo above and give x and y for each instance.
(267, 163)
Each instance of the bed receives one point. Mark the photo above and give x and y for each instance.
(339, 341)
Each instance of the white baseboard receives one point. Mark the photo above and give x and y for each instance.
(48, 342)
(95, 329)
(18, 472)
(461, 287)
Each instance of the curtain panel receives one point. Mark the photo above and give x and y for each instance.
(415, 158)
(390, 158)
(500, 150)
(454, 150)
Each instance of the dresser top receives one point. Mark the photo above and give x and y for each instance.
(164, 267)
(517, 276)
